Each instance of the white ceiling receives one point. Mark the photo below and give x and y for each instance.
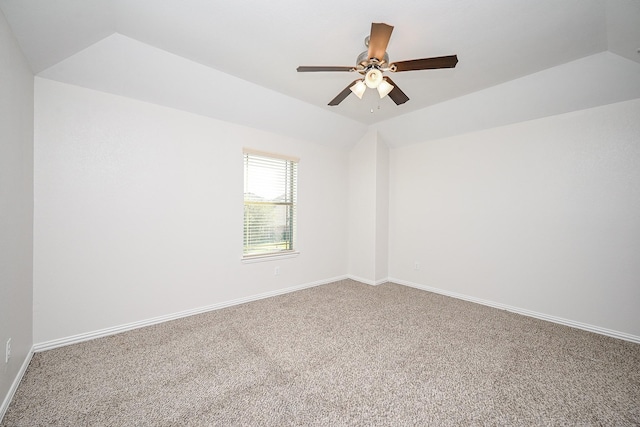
(263, 42)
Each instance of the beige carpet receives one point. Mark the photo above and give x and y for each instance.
(342, 354)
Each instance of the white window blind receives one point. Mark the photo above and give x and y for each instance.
(270, 183)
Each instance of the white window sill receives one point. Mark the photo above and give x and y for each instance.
(269, 257)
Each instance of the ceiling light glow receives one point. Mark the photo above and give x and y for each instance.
(373, 78)
(358, 88)
(384, 88)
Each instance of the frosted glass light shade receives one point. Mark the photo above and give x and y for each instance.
(373, 78)
(358, 88)
(384, 88)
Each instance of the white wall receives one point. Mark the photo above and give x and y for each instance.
(368, 209)
(138, 212)
(542, 216)
(361, 209)
(382, 210)
(16, 209)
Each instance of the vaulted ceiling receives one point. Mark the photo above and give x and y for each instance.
(262, 42)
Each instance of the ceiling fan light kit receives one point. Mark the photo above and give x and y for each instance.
(372, 64)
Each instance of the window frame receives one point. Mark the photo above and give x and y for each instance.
(290, 164)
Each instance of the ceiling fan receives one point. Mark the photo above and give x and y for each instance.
(371, 64)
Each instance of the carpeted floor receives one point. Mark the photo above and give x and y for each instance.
(342, 354)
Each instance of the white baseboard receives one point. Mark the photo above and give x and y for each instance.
(48, 345)
(524, 312)
(16, 382)
(367, 281)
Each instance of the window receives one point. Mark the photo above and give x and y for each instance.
(270, 182)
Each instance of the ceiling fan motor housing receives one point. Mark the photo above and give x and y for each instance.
(365, 62)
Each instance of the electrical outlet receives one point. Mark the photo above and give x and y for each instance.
(276, 271)
(7, 353)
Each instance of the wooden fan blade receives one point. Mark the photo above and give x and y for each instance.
(396, 94)
(379, 40)
(307, 69)
(342, 95)
(427, 63)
